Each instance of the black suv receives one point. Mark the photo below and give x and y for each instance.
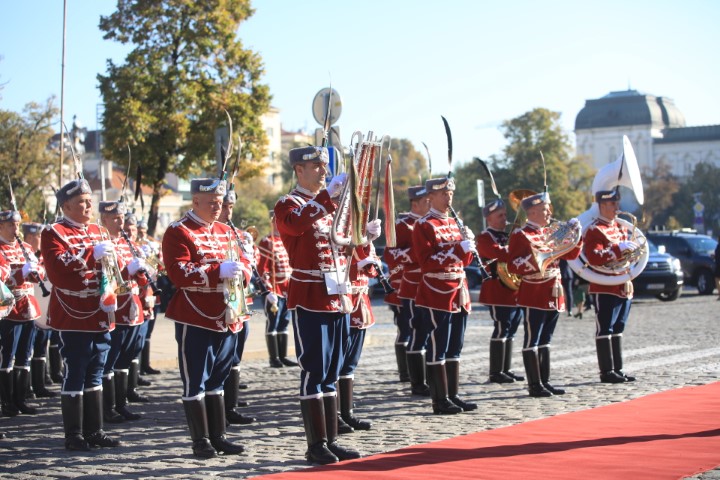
(695, 254)
(662, 276)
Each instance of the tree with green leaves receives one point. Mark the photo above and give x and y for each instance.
(166, 101)
(520, 166)
(703, 185)
(659, 187)
(26, 159)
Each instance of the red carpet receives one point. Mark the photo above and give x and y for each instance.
(671, 434)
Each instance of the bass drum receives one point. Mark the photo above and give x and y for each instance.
(583, 269)
(41, 321)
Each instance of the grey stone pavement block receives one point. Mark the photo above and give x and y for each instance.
(667, 344)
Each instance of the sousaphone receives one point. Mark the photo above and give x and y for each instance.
(622, 172)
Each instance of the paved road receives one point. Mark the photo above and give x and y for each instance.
(668, 345)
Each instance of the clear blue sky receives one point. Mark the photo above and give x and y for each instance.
(398, 65)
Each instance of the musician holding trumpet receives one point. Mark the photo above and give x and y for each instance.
(73, 250)
(607, 241)
(535, 250)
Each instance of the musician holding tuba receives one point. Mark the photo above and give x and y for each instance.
(607, 241)
(492, 245)
(318, 297)
(73, 250)
(535, 250)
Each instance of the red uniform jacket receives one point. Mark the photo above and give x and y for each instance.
(26, 306)
(4, 275)
(193, 251)
(436, 246)
(543, 292)
(67, 250)
(130, 309)
(600, 246)
(362, 314)
(493, 245)
(404, 270)
(274, 265)
(304, 223)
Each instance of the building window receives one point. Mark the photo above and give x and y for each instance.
(270, 132)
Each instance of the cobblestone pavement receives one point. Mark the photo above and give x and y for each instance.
(668, 345)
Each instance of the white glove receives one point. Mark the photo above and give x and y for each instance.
(469, 235)
(147, 250)
(365, 262)
(103, 249)
(230, 269)
(249, 256)
(336, 184)
(247, 238)
(272, 298)
(574, 223)
(135, 265)
(467, 246)
(33, 258)
(374, 228)
(29, 268)
(627, 246)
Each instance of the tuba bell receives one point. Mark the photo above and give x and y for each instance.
(622, 172)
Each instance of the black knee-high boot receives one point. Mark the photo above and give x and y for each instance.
(416, 369)
(401, 358)
(133, 375)
(532, 370)
(497, 362)
(217, 425)
(108, 393)
(121, 383)
(618, 357)
(231, 400)
(346, 405)
(93, 431)
(145, 367)
(272, 346)
(282, 341)
(313, 413)
(507, 367)
(196, 415)
(544, 355)
(37, 372)
(331, 428)
(437, 379)
(453, 375)
(22, 380)
(605, 361)
(56, 364)
(72, 415)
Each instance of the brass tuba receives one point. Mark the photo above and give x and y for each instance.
(622, 172)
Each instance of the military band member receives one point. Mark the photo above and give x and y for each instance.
(442, 252)
(605, 240)
(540, 294)
(151, 250)
(274, 267)
(73, 250)
(17, 329)
(317, 297)
(197, 251)
(492, 245)
(38, 366)
(363, 264)
(232, 383)
(125, 340)
(410, 317)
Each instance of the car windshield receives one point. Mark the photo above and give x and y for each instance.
(702, 244)
(652, 247)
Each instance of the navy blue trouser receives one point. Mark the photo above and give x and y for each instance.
(506, 321)
(419, 329)
(321, 339)
(539, 327)
(276, 322)
(84, 354)
(402, 322)
(447, 334)
(205, 358)
(612, 314)
(242, 337)
(16, 343)
(123, 345)
(352, 356)
(40, 345)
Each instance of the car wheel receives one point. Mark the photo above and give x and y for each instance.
(670, 296)
(706, 282)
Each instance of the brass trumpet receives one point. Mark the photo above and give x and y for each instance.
(560, 238)
(111, 268)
